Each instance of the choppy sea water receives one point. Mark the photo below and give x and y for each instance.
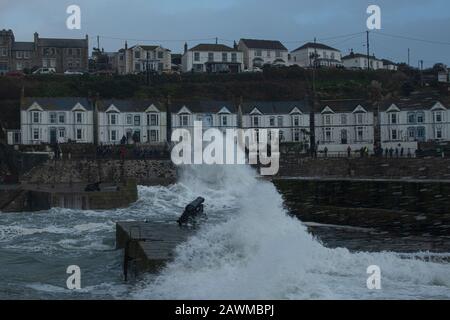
(249, 249)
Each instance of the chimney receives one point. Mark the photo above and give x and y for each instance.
(126, 45)
(185, 47)
(235, 46)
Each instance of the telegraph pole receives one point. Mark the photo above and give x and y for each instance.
(368, 51)
(409, 57)
(312, 120)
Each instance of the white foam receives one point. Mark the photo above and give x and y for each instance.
(262, 253)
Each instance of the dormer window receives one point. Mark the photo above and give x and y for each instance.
(438, 116)
(112, 118)
(184, 120)
(393, 118)
(152, 119)
(296, 121)
(343, 119)
(79, 117)
(224, 121)
(36, 116)
(272, 121)
(359, 118)
(327, 119)
(255, 120)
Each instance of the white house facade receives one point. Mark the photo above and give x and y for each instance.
(258, 53)
(359, 61)
(290, 117)
(342, 124)
(139, 58)
(52, 120)
(318, 54)
(405, 122)
(212, 58)
(131, 122)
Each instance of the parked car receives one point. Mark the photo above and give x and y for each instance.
(15, 74)
(73, 73)
(45, 71)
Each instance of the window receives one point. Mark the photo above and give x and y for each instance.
(69, 52)
(296, 121)
(160, 55)
(4, 52)
(255, 121)
(234, 57)
(153, 136)
(281, 135)
(137, 121)
(79, 134)
(52, 117)
(280, 121)
(113, 118)
(36, 117)
(296, 135)
(438, 132)
(224, 121)
(196, 56)
(411, 118)
(129, 119)
(420, 117)
(359, 118)
(137, 67)
(268, 54)
(343, 119)
(394, 134)
(137, 54)
(327, 119)
(210, 56)
(78, 52)
(62, 133)
(224, 57)
(278, 54)
(113, 135)
(19, 54)
(393, 117)
(411, 134)
(421, 133)
(35, 134)
(258, 53)
(360, 133)
(272, 121)
(61, 117)
(79, 116)
(438, 116)
(328, 134)
(184, 120)
(152, 119)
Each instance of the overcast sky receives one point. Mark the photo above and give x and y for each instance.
(291, 21)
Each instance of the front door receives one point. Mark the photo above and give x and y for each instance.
(53, 135)
(344, 136)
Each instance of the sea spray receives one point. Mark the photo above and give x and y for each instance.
(262, 253)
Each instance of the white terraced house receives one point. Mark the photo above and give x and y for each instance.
(405, 122)
(212, 58)
(51, 120)
(342, 124)
(221, 115)
(318, 54)
(290, 117)
(131, 121)
(258, 53)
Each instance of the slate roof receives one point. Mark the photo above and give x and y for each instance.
(358, 55)
(263, 44)
(63, 104)
(313, 45)
(63, 43)
(128, 105)
(203, 106)
(278, 107)
(344, 105)
(23, 46)
(212, 47)
(414, 103)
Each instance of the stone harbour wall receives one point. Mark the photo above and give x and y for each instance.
(417, 168)
(144, 172)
